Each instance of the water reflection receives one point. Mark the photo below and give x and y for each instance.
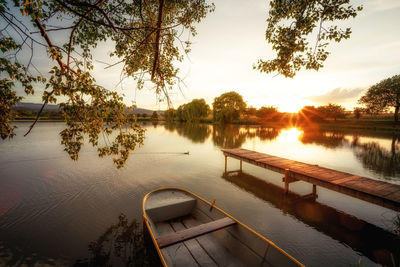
(234, 136)
(52, 208)
(396, 225)
(196, 132)
(376, 243)
(265, 134)
(287, 136)
(377, 158)
(332, 139)
(373, 155)
(228, 136)
(224, 136)
(122, 244)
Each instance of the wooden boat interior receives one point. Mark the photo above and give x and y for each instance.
(189, 231)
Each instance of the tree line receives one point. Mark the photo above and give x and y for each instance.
(230, 107)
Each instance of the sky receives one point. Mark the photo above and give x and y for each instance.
(232, 39)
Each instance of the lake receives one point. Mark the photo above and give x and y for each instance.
(54, 210)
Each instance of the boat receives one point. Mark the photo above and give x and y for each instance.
(190, 231)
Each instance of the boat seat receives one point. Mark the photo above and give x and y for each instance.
(176, 237)
(169, 208)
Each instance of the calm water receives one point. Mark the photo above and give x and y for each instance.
(52, 208)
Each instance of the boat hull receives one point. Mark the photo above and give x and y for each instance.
(188, 230)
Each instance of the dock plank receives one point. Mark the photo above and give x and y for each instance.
(345, 179)
(374, 191)
(395, 196)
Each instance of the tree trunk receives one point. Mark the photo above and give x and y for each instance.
(157, 42)
(396, 109)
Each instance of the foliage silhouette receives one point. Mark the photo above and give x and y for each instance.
(145, 36)
(122, 244)
(332, 111)
(190, 112)
(383, 96)
(228, 107)
(290, 22)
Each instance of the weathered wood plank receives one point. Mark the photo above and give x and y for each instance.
(178, 252)
(213, 247)
(261, 159)
(282, 162)
(197, 251)
(390, 190)
(310, 171)
(176, 237)
(329, 175)
(364, 185)
(270, 159)
(345, 179)
(395, 196)
(255, 156)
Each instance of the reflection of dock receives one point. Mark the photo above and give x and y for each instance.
(377, 192)
(372, 241)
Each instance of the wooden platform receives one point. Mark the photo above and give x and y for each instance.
(377, 192)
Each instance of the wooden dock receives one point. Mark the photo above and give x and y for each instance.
(377, 192)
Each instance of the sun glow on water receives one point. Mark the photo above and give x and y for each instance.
(290, 135)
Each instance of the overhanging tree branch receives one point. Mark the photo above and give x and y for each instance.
(157, 42)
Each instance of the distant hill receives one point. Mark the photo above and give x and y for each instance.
(35, 107)
(147, 111)
(50, 107)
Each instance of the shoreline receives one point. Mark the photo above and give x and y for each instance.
(382, 126)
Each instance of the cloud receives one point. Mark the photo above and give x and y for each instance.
(337, 95)
(383, 5)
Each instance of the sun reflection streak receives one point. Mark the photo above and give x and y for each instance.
(290, 135)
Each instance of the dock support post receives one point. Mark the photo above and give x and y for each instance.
(240, 165)
(286, 181)
(226, 162)
(314, 190)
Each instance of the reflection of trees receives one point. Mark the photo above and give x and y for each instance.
(268, 133)
(396, 224)
(122, 244)
(196, 132)
(225, 136)
(228, 136)
(374, 157)
(376, 243)
(331, 139)
(170, 126)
